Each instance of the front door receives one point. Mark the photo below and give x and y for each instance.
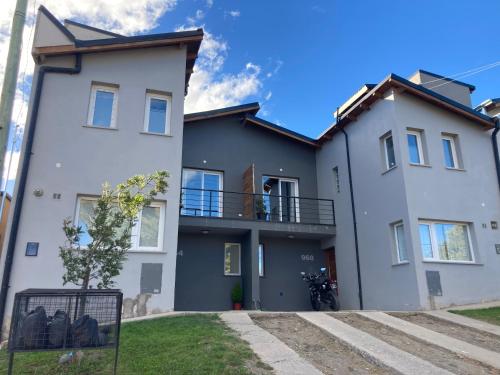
(331, 266)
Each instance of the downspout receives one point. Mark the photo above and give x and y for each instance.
(494, 141)
(353, 210)
(23, 178)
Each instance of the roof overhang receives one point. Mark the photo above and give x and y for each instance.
(488, 104)
(251, 108)
(404, 86)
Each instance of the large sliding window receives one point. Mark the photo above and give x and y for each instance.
(281, 199)
(444, 241)
(202, 193)
(147, 233)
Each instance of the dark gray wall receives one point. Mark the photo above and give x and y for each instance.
(282, 288)
(200, 283)
(229, 146)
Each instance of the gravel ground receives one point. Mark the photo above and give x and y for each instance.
(438, 356)
(472, 336)
(321, 349)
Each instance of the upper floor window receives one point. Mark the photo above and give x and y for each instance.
(415, 150)
(445, 241)
(399, 235)
(390, 158)
(103, 104)
(147, 233)
(157, 115)
(201, 193)
(450, 151)
(336, 179)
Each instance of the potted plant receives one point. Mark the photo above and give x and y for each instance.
(237, 296)
(260, 209)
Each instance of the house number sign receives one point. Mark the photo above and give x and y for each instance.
(307, 257)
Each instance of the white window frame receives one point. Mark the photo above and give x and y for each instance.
(136, 230)
(420, 149)
(434, 245)
(386, 154)
(398, 253)
(168, 99)
(221, 188)
(262, 271)
(93, 93)
(226, 245)
(453, 146)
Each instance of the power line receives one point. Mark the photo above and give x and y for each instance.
(464, 74)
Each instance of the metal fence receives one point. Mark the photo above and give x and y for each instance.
(265, 207)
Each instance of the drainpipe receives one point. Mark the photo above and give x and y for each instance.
(494, 141)
(353, 210)
(23, 177)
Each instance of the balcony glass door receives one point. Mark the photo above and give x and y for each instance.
(201, 193)
(281, 199)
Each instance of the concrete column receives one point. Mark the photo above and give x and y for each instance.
(250, 270)
(254, 242)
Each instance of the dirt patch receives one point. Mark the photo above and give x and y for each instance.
(325, 352)
(434, 354)
(471, 335)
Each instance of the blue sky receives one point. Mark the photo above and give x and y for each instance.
(328, 49)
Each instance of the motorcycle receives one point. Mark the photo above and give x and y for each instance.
(321, 290)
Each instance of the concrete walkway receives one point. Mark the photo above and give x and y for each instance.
(377, 350)
(473, 306)
(270, 350)
(465, 321)
(463, 348)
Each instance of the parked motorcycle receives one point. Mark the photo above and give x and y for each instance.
(321, 290)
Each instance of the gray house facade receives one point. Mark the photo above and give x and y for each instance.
(398, 199)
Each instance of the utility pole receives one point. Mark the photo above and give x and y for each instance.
(10, 77)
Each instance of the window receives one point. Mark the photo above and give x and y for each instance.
(232, 259)
(281, 199)
(450, 152)
(390, 159)
(102, 109)
(261, 260)
(146, 235)
(415, 153)
(157, 116)
(400, 243)
(202, 193)
(442, 241)
(337, 178)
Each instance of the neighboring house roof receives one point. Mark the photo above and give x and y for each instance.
(488, 104)
(91, 28)
(248, 111)
(402, 84)
(191, 39)
(469, 86)
(251, 108)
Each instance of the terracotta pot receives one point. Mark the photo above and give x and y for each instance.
(236, 306)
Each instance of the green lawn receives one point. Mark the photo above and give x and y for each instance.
(196, 344)
(489, 315)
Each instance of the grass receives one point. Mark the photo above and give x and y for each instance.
(489, 315)
(195, 344)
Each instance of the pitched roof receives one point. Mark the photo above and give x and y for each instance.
(395, 81)
(91, 28)
(469, 86)
(251, 108)
(488, 104)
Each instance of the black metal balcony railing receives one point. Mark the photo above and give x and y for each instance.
(265, 207)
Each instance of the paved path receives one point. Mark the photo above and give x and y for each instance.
(463, 348)
(465, 321)
(270, 350)
(379, 351)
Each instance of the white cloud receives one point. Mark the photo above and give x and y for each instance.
(121, 16)
(210, 3)
(234, 13)
(268, 95)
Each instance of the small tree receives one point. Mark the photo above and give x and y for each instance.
(109, 227)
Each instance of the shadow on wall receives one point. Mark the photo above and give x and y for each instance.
(134, 307)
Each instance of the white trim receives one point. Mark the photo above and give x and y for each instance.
(418, 136)
(453, 147)
(396, 237)
(135, 239)
(90, 117)
(434, 244)
(384, 142)
(166, 98)
(220, 210)
(226, 245)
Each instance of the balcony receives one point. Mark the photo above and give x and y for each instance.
(219, 204)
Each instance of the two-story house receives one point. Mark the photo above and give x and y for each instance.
(399, 198)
